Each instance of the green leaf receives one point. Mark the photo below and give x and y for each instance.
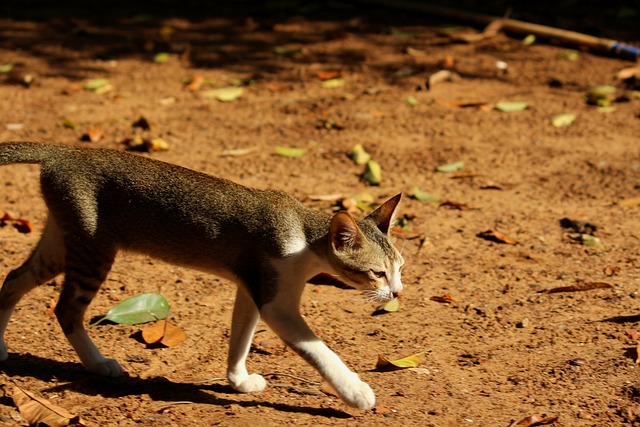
(512, 106)
(591, 242)
(5, 68)
(562, 120)
(224, 94)
(333, 83)
(284, 51)
(364, 201)
(95, 84)
(290, 152)
(607, 109)
(359, 155)
(569, 55)
(372, 173)
(411, 101)
(450, 167)
(161, 57)
(143, 308)
(529, 40)
(423, 196)
(69, 124)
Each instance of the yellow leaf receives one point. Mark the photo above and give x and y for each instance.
(632, 201)
(412, 361)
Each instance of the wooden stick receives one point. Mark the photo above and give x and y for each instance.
(516, 26)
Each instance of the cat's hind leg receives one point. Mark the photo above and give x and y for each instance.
(87, 265)
(243, 325)
(45, 263)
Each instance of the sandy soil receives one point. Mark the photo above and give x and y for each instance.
(502, 350)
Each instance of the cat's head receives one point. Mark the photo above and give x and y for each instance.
(362, 252)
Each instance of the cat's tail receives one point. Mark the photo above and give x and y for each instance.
(29, 152)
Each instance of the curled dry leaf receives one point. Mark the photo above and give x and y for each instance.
(239, 152)
(455, 205)
(390, 306)
(163, 332)
(39, 411)
(497, 236)
(20, 224)
(445, 299)
(195, 83)
(534, 420)
(413, 361)
(328, 74)
(442, 76)
(578, 287)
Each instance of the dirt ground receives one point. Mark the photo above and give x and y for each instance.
(502, 350)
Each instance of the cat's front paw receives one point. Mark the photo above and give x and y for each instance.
(106, 368)
(358, 394)
(250, 384)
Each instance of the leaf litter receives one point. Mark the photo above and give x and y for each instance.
(578, 287)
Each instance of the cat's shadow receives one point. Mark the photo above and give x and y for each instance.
(71, 376)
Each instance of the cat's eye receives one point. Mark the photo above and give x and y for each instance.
(380, 274)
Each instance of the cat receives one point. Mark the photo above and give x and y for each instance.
(270, 244)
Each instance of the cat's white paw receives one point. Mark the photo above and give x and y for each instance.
(250, 384)
(4, 355)
(106, 368)
(358, 394)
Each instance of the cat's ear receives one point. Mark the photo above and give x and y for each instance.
(344, 232)
(384, 216)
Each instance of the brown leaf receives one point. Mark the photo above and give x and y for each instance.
(401, 233)
(163, 332)
(455, 205)
(497, 236)
(611, 270)
(492, 185)
(534, 420)
(446, 298)
(39, 411)
(461, 103)
(22, 225)
(382, 410)
(578, 287)
(196, 82)
(442, 76)
(328, 74)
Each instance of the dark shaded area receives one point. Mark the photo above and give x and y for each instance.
(233, 35)
(71, 376)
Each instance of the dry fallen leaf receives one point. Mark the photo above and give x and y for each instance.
(446, 298)
(578, 287)
(534, 420)
(22, 225)
(442, 76)
(611, 270)
(497, 236)
(413, 361)
(196, 82)
(328, 74)
(630, 202)
(40, 412)
(163, 332)
(455, 205)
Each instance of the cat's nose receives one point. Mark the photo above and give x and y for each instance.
(396, 294)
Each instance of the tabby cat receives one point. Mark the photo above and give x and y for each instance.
(101, 201)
